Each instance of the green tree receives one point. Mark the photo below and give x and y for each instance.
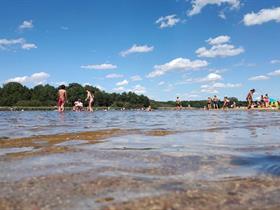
(74, 92)
(14, 92)
(45, 94)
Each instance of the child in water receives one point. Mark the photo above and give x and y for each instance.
(178, 104)
(226, 102)
(62, 98)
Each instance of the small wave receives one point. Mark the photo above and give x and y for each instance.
(265, 164)
(273, 169)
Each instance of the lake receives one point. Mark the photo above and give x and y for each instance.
(191, 159)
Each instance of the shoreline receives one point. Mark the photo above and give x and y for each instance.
(135, 109)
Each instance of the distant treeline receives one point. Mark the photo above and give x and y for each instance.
(15, 94)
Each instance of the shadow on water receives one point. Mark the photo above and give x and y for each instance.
(263, 164)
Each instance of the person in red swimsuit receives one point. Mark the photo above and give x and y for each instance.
(62, 97)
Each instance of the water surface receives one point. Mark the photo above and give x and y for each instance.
(197, 146)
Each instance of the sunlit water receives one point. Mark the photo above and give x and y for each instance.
(205, 144)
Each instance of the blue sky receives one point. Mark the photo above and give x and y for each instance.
(163, 49)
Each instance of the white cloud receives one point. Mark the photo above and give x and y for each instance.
(137, 49)
(36, 78)
(138, 89)
(244, 63)
(218, 40)
(28, 46)
(168, 21)
(8, 43)
(112, 76)
(209, 90)
(260, 77)
(212, 77)
(5, 43)
(119, 89)
(220, 48)
(218, 71)
(135, 78)
(275, 61)
(124, 82)
(27, 24)
(263, 16)
(222, 15)
(213, 88)
(100, 87)
(274, 73)
(226, 85)
(197, 5)
(177, 64)
(61, 83)
(104, 66)
(87, 84)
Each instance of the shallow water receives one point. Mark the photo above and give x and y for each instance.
(202, 146)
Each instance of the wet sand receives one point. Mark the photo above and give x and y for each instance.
(238, 168)
(87, 191)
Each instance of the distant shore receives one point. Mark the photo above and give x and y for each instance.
(19, 108)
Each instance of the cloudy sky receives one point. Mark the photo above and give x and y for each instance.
(161, 48)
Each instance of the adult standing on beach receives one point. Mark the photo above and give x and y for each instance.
(249, 98)
(90, 99)
(62, 98)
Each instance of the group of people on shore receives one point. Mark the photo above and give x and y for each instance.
(78, 105)
(264, 101)
(212, 103)
(215, 103)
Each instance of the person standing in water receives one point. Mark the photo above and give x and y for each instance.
(249, 98)
(178, 104)
(209, 103)
(215, 102)
(62, 98)
(90, 99)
